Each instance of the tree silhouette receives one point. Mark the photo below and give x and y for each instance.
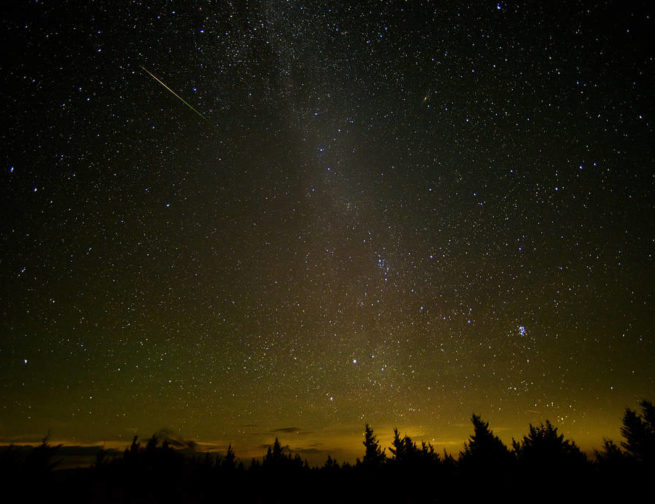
(486, 464)
(484, 449)
(639, 433)
(274, 456)
(407, 453)
(331, 465)
(543, 467)
(26, 473)
(552, 466)
(402, 448)
(611, 457)
(373, 454)
(37, 471)
(40, 460)
(544, 447)
(229, 462)
(132, 452)
(151, 447)
(626, 474)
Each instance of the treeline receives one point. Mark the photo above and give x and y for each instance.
(543, 466)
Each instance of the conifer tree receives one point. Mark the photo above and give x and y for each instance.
(374, 454)
(639, 433)
(545, 447)
(484, 448)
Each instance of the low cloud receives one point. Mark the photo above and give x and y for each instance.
(287, 430)
(175, 440)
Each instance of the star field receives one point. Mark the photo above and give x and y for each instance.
(394, 213)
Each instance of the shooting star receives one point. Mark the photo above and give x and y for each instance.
(173, 92)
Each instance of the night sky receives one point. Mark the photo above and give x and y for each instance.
(242, 220)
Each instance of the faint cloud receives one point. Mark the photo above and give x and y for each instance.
(288, 430)
(174, 439)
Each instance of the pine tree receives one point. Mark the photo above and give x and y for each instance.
(545, 448)
(229, 462)
(398, 449)
(611, 455)
(484, 449)
(639, 433)
(331, 464)
(373, 455)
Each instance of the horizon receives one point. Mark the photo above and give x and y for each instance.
(347, 448)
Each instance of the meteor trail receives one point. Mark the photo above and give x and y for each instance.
(173, 92)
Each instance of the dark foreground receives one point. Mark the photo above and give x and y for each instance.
(542, 467)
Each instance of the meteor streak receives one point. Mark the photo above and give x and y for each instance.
(173, 92)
